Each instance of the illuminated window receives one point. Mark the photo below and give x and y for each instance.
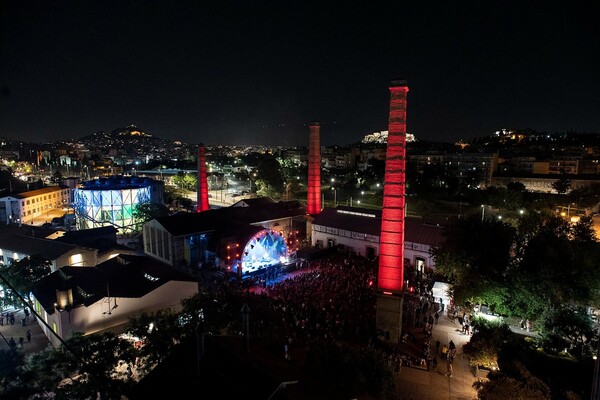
(76, 259)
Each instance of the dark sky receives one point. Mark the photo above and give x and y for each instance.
(256, 72)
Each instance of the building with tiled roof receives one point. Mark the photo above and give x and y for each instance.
(90, 299)
(357, 230)
(227, 237)
(24, 207)
(253, 202)
(17, 243)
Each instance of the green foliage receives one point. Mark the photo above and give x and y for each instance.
(97, 358)
(12, 376)
(486, 342)
(569, 328)
(519, 384)
(173, 193)
(563, 184)
(185, 181)
(147, 211)
(557, 262)
(545, 261)
(160, 331)
(269, 181)
(24, 275)
(211, 307)
(474, 256)
(83, 368)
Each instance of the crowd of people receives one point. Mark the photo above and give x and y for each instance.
(9, 318)
(333, 299)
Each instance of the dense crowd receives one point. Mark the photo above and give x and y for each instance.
(334, 299)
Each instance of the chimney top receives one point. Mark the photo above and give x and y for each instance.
(398, 82)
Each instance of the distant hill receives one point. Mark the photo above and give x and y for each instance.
(126, 138)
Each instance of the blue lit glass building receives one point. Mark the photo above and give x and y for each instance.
(110, 201)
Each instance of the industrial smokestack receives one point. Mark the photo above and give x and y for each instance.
(313, 195)
(202, 195)
(391, 242)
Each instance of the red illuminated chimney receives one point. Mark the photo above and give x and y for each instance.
(391, 243)
(202, 196)
(313, 198)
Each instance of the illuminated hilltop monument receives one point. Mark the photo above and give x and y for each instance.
(390, 276)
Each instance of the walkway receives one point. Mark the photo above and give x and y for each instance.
(420, 384)
(39, 341)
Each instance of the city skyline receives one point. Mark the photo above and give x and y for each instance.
(237, 73)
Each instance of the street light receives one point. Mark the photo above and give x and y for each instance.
(482, 212)
(334, 196)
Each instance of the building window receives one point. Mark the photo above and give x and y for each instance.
(77, 259)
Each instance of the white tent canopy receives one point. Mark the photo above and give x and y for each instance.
(442, 290)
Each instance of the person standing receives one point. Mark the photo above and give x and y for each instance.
(527, 325)
(437, 346)
(28, 335)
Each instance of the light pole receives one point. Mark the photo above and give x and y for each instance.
(109, 311)
(282, 385)
(334, 196)
(482, 212)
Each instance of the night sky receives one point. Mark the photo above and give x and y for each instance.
(256, 72)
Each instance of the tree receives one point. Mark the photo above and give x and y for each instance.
(84, 367)
(503, 387)
(160, 332)
(475, 256)
(185, 181)
(190, 182)
(570, 328)
(556, 262)
(270, 179)
(486, 342)
(57, 176)
(173, 194)
(144, 212)
(563, 184)
(12, 375)
(24, 274)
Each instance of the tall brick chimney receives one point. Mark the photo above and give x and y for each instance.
(202, 195)
(390, 276)
(313, 195)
